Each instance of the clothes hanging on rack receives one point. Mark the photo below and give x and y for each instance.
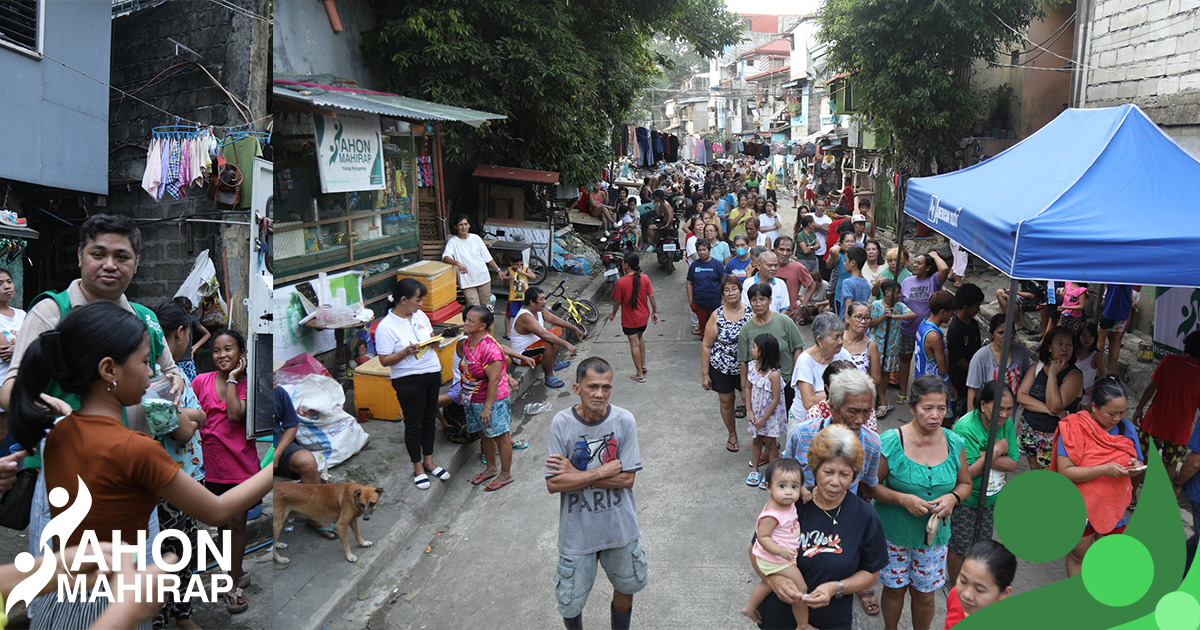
(645, 147)
(424, 171)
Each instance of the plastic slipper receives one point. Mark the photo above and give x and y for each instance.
(496, 485)
(762, 485)
(244, 581)
(732, 443)
(231, 602)
(439, 472)
(482, 477)
(421, 482)
(562, 365)
(739, 411)
(639, 379)
(554, 382)
(483, 459)
(324, 530)
(752, 479)
(519, 445)
(901, 399)
(869, 603)
(882, 411)
(645, 369)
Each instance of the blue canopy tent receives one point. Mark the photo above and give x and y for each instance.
(1092, 187)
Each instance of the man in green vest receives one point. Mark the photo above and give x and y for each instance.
(108, 259)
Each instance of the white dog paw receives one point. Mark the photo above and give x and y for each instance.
(352, 558)
(365, 543)
(281, 545)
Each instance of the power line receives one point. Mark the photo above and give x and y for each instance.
(245, 12)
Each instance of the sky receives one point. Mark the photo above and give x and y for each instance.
(773, 7)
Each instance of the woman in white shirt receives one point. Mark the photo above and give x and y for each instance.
(10, 322)
(827, 332)
(467, 252)
(416, 377)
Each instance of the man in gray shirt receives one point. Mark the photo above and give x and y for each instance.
(591, 462)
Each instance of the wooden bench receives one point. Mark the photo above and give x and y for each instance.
(582, 218)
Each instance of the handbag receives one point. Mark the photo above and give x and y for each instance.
(17, 503)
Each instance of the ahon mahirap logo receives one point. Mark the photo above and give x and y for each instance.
(938, 213)
(108, 583)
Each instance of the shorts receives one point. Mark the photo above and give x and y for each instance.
(908, 344)
(962, 525)
(1170, 452)
(1031, 442)
(1027, 305)
(723, 383)
(810, 265)
(1113, 327)
(1089, 532)
(514, 307)
(501, 416)
(633, 331)
(285, 461)
(455, 391)
(924, 569)
(626, 568)
(770, 568)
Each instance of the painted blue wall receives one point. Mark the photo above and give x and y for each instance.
(55, 122)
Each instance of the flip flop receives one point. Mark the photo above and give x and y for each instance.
(494, 486)
(421, 482)
(732, 443)
(752, 479)
(871, 605)
(483, 459)
(519, 445)
(326, 531)
(439, 472)
(739, 411)
(562, 365)
(645, 369)
(231, 602)
(244, 581)
(482, 477)
(554, 382)
(639, 379)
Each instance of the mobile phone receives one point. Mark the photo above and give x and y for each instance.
(1136, 469)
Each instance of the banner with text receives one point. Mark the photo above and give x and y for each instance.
(349, 152)
(1176, 314)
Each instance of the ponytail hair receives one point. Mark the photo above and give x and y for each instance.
(635, 263)
(70, 355)
(172, 317)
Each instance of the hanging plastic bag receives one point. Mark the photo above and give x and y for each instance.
(203, 270)
(216, 311)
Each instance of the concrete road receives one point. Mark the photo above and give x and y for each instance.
(492, 564)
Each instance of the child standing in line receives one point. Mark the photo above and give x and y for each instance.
(1070, 314)
(778, 537)
(198, 335)
(886, 315)
(769, 417)
(519, 276)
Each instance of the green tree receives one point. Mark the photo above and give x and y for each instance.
(563, 73)
(909, 62)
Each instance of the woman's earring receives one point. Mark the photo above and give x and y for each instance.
(112, 386)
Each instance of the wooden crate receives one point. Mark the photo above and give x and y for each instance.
(438, 277)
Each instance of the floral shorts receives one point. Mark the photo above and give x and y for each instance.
(1031, 442)
(1170, 452)
(501, 415)
(925, 569)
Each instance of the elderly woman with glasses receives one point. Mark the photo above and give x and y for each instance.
(827, 330)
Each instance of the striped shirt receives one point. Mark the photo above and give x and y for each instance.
(801, 436)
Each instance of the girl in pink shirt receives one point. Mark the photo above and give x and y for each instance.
(778, 537)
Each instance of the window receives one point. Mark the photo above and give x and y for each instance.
(21, 25)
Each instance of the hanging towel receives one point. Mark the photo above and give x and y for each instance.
(171, 179)
(185, 166)
(152, 177)
(1088, 445)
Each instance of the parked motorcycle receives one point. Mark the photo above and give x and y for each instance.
(615, 246)
(667, 246)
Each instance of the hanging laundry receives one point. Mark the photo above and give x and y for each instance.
(152, 177)
(424, 171)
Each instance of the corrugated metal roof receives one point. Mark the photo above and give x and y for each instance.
(392, 105)
(775, 47)
(515, 174)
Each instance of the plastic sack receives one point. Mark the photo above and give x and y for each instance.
(325, 427)
(216, 311)
(302, 365)
(202, 271)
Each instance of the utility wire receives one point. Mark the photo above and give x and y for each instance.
(245, 12)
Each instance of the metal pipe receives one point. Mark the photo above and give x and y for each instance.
(1001, 375)
(334, 21)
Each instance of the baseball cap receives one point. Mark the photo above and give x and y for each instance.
(858, 218)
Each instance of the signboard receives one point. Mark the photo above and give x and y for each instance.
(1176, 314)
(349, 152)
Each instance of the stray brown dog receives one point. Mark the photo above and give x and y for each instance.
(341, 503)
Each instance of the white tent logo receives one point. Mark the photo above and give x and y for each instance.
(108, 584)
(938, 213)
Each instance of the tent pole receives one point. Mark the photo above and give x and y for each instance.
(1001, 375)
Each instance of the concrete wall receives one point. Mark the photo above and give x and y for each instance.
(1146, 52)
(55, 119)
(234, 48)
(304, 43)
(1044, 94)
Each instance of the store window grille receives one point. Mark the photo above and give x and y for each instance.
(20, 25)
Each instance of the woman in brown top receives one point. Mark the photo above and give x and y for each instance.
(102, 353)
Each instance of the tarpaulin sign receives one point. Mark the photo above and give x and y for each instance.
(349, 152)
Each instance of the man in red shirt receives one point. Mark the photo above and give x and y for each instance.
(795, 276)
(1175, 390)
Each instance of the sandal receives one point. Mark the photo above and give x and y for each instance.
(901, 399)
(244, 581)
(421, 482)
(482, 477)
(733, 444)
(752, 479)
(562, 365)
(638, 378)
(739, 411)
(881, 411)
(762, 485)
(520, 445)
(554, 382)
(231, 602)
(496, 485)
(869, 603)
(439, 472)
(323, 529)
(696, 330)
(483, 459)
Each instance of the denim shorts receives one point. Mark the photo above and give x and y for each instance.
(501, 414)
(626, 568)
